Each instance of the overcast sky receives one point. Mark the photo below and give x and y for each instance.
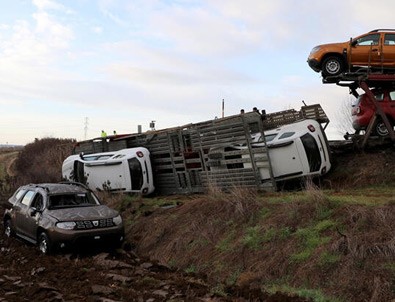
(71, 68)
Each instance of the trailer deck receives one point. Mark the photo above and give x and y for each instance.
(182, 157)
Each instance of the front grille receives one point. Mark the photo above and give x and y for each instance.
(94, 224)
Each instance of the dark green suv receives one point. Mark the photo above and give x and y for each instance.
(61, 215)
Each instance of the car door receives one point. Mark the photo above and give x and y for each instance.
(365, 50)
(30, 214)
(20, 211)
(388, 50)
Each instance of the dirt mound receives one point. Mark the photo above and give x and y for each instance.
(360, 169)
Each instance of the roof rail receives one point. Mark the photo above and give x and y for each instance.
(74, 183)
(381, 29)
(40, 186)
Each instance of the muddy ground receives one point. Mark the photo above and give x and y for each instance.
(99, 275)
(127, 275)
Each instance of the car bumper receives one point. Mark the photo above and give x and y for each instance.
(314, 64)
(361, 122)
(107, 237)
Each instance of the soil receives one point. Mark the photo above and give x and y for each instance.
(27, 275)
(144, 270)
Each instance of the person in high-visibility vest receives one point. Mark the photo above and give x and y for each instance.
(103, 133)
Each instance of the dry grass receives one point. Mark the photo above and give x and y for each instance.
(242, 238)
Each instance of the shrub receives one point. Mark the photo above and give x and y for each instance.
(41, 161)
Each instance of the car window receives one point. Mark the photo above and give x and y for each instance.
(97, 157)
(38, 202)
(28, 198)
(286, 134)
(270, 137)
(392, 95)
(71, 200)
(20, 193)
(389, 39)
(368, 40)
(379, 96)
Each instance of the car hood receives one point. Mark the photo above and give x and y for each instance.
(333, 46)
(83, 213)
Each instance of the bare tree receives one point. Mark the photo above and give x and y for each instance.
(344, 117)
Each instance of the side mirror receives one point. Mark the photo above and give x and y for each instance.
(33, 211)
(353, 43)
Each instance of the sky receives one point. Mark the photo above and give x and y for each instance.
(71, 68)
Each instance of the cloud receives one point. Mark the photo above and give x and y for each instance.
(47, 5)
(97, 29)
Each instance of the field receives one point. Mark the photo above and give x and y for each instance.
(333, 242)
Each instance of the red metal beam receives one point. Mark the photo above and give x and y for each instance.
(377, 106)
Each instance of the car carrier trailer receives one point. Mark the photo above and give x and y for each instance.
(183, 159)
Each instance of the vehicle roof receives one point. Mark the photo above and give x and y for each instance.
(56, 188)
(381, 30)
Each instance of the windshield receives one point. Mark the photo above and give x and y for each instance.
(72, 200)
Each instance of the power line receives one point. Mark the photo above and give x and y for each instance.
(86, 128)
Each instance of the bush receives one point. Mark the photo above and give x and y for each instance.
(41, 161)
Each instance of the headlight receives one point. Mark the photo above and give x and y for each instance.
(67, 225)
(117, 220)
(315, 49)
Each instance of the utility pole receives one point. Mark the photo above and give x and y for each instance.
(86, 128)
(223, 107)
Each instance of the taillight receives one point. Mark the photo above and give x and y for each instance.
(139, 154)
(311, 128)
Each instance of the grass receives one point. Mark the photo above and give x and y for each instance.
(327, 259)
(2, 171)
(296, 230)
(314, 294)
(191, 269)
(253, 238)
(311, 238)
(372, 195)
(225, 244)
(218, 290)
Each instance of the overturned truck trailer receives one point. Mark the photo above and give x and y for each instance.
(225, 152)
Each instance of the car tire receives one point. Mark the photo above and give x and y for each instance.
(332, 66)
(380, 129)
(44, 244)
(8, 228)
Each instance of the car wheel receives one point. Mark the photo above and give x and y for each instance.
(44, 244)
(8, 228)
(380, 129)
(332, 66)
